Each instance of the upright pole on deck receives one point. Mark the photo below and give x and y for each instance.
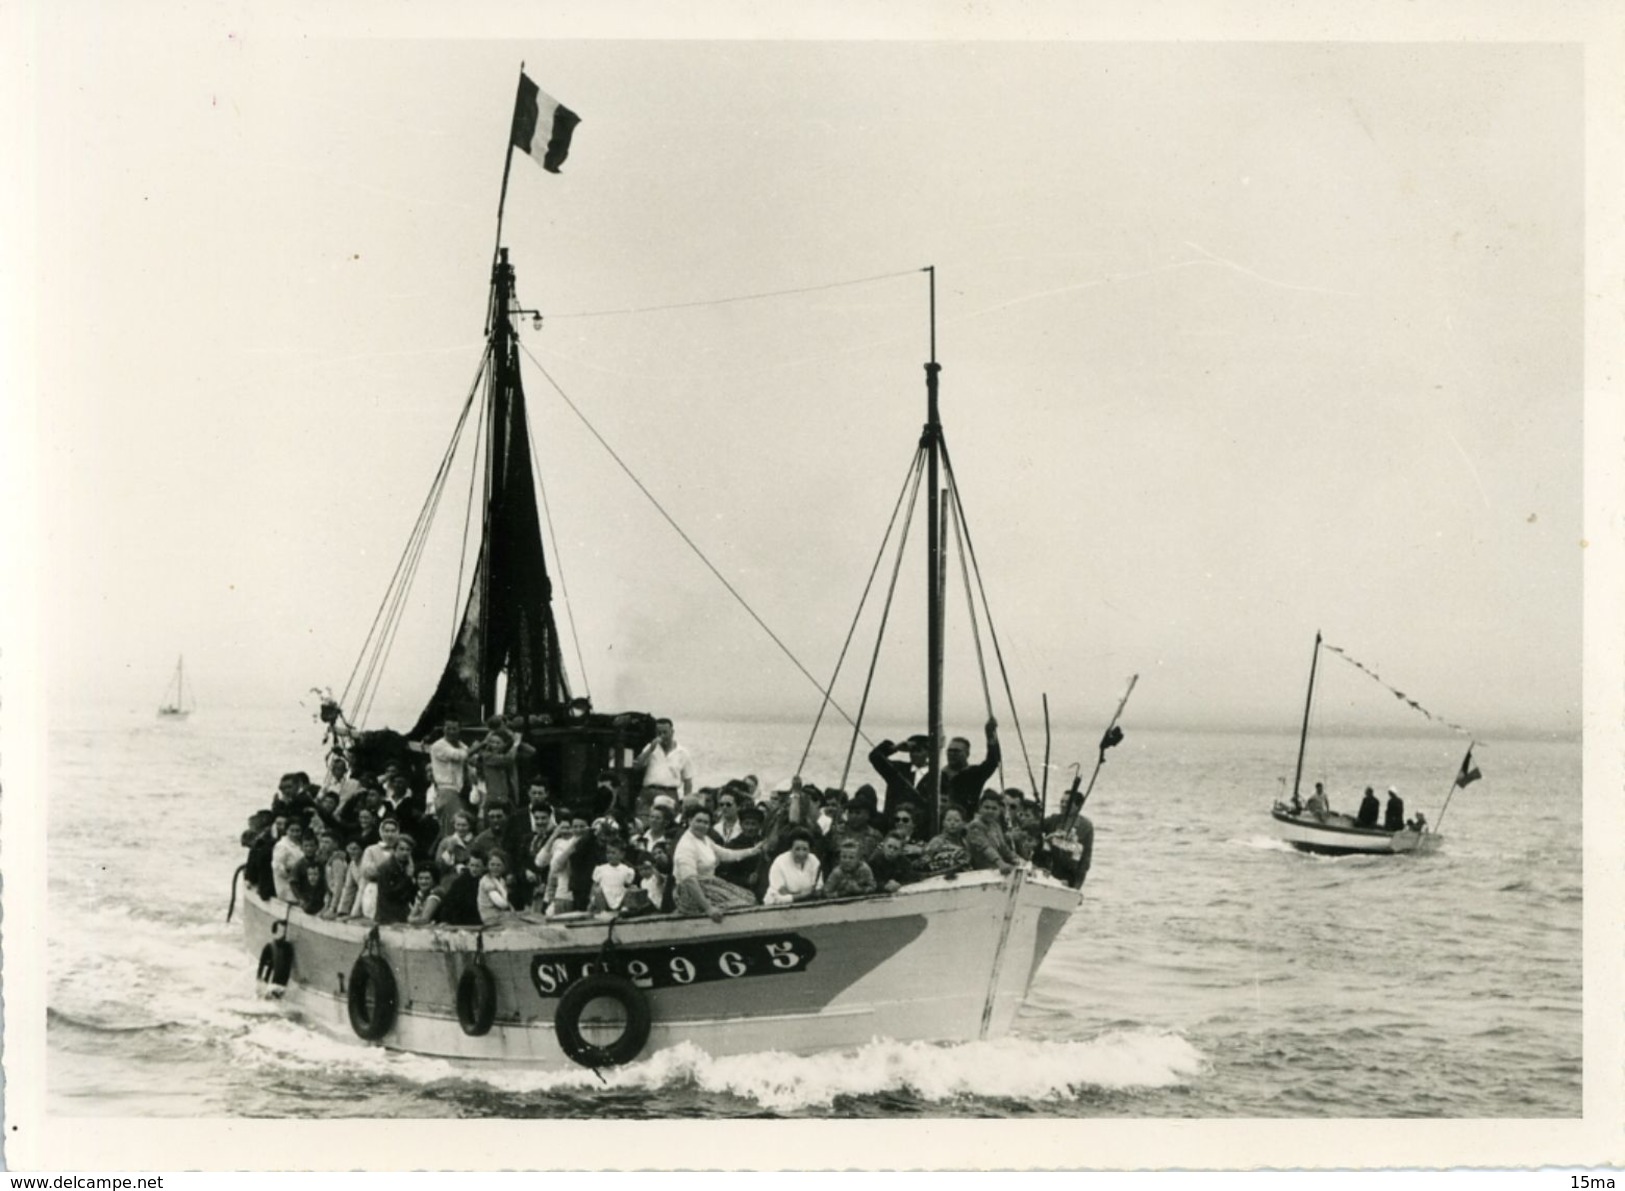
(930, 442)
(1308, 702)
(507, 167)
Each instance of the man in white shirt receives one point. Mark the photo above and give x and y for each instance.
(339, 780)
(667, 768)
(448, 769)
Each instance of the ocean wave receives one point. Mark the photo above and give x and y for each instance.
(1011, 1068)
(61, 1017)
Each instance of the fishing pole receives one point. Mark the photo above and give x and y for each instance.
(1112, 736)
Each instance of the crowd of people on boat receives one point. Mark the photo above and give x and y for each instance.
(1373, 814)
(477, 846)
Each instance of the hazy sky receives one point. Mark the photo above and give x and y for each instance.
(1239, 341)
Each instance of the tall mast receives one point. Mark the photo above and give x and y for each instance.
(931, 443)
(1308, 702)
(501, 329)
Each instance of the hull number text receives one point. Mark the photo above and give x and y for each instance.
(686, 963)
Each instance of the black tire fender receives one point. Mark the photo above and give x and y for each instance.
(567, 1020)
(276, 963)
(476, 1000)
(372, 981)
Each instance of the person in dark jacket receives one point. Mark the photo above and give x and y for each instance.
(1393, 815)
(1370, 809)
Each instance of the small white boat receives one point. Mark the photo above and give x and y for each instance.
(176, 704)
(1339, 835)
(1331, 833)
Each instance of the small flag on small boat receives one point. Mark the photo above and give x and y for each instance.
(542, 125)
(1469, 772)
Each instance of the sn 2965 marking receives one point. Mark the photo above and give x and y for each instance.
(676, 966)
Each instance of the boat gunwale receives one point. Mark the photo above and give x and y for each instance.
(586, 934)
(1315, 825)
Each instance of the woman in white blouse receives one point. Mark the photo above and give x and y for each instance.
(694, 869)
(794, 876)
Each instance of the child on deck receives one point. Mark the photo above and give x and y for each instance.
(493, 896)
(611, 879)
(425, 902)
(851, 876)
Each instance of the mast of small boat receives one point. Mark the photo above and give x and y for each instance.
(1308, 702)
(180, 682)
(930, 442)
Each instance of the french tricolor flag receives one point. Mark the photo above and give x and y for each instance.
(542, 125)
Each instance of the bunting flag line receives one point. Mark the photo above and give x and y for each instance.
(1395, 692)
(542, 125)
(1469, 772)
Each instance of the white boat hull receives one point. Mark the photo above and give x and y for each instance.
(1338, 836)
(948, 959)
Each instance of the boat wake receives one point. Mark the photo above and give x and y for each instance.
(1011, 1069)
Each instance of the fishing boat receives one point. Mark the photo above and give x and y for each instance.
(1311, 826)
(946, 958)
(176, 704)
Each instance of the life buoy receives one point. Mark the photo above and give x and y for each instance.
(372, 997)
(567, 1020)
(276, 962)
(476, 1000)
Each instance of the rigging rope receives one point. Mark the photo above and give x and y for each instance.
(419, 528)
(558, 558)
(862, 600)
(885, 613)
(809, 289)
(970, 545)
(1396, 693)
(970, 607)
(670, 520)
(468, 516)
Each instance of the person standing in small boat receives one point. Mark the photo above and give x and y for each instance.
(1370, 809)
(1393, 815)
(667, 768)
(1318, 806)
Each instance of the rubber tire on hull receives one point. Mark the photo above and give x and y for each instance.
(372, 972)
(476, 1000)
(276, 962)
(567, 1020)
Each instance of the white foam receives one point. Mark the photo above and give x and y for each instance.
(1011, 1068)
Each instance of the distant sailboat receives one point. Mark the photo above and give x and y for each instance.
(176, 705)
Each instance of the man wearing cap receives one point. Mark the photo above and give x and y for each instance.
(1393, 815)
(902, 782)
(666, 765)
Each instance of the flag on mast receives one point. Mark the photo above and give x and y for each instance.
(1469, 772)
(542, 125)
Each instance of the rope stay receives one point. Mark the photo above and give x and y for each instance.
(558, 559)
(688, 541)
(911, 477)
(993, 635)
(912, 485)
(374, 647)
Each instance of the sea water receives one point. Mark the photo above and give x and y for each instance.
(1212, 971)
